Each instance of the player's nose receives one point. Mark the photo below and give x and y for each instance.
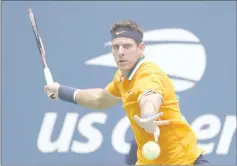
(121, 55)
(121, 51)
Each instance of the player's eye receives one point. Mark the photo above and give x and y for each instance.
(127, 46)
(115, 47)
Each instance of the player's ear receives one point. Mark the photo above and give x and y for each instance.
(141, 46)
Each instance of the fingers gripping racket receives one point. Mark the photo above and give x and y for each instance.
(47, 73)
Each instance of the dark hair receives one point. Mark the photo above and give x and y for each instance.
(126, 24)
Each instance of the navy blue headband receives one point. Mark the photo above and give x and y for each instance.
(128, 33)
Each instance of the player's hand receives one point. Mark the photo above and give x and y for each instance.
(151, 124)
(52, 89)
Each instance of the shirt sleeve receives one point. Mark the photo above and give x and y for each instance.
(148, 82)
(112, 89)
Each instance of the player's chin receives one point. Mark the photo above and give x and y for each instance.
(124, 67)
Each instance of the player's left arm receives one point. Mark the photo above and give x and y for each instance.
(150, 104)
(150, 92)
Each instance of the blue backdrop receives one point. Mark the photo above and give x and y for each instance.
(194, 42)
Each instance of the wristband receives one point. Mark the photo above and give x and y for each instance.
(66, 93)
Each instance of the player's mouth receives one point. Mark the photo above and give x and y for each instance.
(122, 61)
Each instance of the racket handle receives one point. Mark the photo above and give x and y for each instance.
(49, 80)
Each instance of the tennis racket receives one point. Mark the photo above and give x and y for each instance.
(47, 73)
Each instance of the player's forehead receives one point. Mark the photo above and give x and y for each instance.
(122, 41)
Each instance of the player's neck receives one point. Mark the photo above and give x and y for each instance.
(124, 73)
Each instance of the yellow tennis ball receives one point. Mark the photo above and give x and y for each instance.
(151, 150)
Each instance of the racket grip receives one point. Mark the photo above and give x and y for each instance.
(49, 80)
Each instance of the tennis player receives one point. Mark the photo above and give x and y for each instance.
(148, 98)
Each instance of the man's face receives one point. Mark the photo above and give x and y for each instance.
(126, 52)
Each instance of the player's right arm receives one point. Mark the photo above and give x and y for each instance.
(97, 98)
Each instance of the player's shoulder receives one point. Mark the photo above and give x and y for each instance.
(150, 67)
(117, 75)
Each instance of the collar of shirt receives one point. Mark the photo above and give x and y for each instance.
(131, 73)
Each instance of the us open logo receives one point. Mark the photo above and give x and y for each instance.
(177, 51)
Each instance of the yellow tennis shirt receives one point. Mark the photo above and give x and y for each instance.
(177, 140)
